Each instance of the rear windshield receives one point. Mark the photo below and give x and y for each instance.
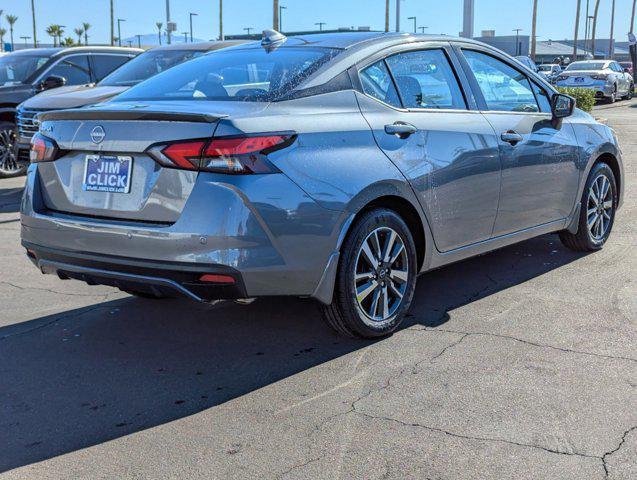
(254, 74)
(586, 66)
(15, 69)
(147, 65)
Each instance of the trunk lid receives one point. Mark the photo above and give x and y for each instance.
(117, 135)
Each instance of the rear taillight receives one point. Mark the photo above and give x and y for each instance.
(43, 149)
(234, 155)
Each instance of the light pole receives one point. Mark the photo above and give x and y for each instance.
(577, 14)
(185, 36)
(414, 19)
(611, 46)
(320, 25)
(398, 15)
(281, 8)
(586, 24)
(168, 30)
(25, 41)
(221, 36)
(534, 31)
(247, 29)
(35, 38)
(119, 30)
(139, 40)
(517, 40)
(192, 15)
(422, 29)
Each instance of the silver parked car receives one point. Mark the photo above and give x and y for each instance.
(549, 71)
(607, 78)
(335, 166)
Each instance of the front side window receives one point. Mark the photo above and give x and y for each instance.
(74, 69)
(425, 80)
(503, 87)
(251, 74)
(377, 83)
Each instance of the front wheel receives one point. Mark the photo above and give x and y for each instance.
(597, 212)
(613, 96)
(376, 277)
(631, 91)
(10, 166)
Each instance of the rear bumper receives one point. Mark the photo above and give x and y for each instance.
(144, 276)
(264, 230)
(602, 89)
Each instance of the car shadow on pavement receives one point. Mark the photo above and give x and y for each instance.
(10, 199)
(86, 376)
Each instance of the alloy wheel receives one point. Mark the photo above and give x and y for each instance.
(381, 275)
(8, 160)
(600, 207)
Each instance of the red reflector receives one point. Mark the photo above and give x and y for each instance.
(183, 154)
(226, 147)
(214, 278)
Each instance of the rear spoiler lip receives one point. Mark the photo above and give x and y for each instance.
(134, 115)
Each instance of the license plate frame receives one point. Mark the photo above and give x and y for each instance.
(103, 173)
(579, 79)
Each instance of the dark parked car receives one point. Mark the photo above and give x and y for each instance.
(332, 166)
(26, 73)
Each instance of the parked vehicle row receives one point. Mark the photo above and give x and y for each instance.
(26, 73)
(606, 78)
(334, 166)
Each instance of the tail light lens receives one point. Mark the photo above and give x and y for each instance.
(232, 155)
(43, 149)
(600, 77)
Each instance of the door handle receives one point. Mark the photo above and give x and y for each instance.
(511, 137)
(400, 129)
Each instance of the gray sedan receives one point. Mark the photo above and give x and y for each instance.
(607, 78)
(336, 167)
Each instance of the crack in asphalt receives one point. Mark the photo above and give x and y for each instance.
(527, 342)
(300, 465)
(615, 450)
(104, 296)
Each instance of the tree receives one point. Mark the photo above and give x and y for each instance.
(533, 30)
(11, 19)
(221, 37)
(67, 42)
(86, 26)
(633, 48)
(35, 34)
(579, 6)
(112, 25)
(387, 15)
(3, 32)
(60, 31)
(159, 25)
(596, 12)
(51, 30)
(79, 32)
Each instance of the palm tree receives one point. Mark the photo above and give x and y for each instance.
(594, 27)
(112, 25)
(86, 26)
(579, 6)
(60, 31)
(67, 42)
(159, 25)
(3, 32)
(11, 19)
(533, 30)
(51, 30)
(221, 37)
(387, 15)
(275, 18)
(35, 34)
(633, 48)
(79, 32)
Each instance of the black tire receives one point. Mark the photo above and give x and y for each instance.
(584, 240)
(9, 164)
(346, 314)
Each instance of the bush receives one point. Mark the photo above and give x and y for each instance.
(584, 97)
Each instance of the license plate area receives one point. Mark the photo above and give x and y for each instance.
(107, 173)
(579, 79)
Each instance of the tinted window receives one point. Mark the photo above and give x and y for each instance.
(578, 66)
(105, 64)
(146, 65)
(504, 88)
(377, 83)
(15, 69)
(425, 80)
(252, 74)
(74, 69)
(542, 98)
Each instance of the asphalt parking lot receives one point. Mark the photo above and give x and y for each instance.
(518, 364)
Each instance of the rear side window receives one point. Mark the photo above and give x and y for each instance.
(503, 87)
(377, 83)
(74, 69)
(425, 80)
(105, 64)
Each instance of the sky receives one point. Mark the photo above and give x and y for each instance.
(555, 17)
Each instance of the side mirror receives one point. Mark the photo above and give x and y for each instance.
(52, 81)
(562, 106)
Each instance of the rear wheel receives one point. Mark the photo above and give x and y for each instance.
(9, 164)
(597, 213)
(376, 277)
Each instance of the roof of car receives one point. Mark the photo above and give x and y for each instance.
(49, 52)
(201, 46)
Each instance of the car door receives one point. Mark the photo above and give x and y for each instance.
(539, 157)
(424, 123)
